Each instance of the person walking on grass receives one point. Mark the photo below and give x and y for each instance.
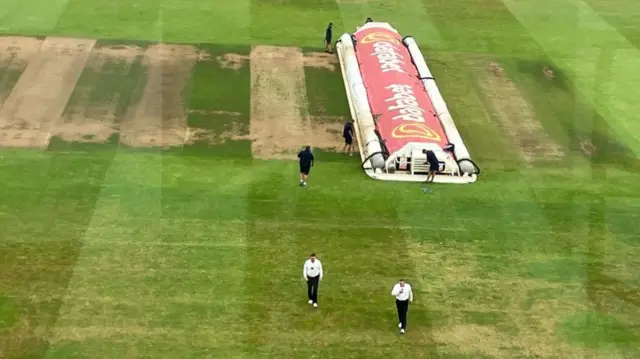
(347, 133)
(312, 273)
(328, 34)
(404, 295)
(306, 162)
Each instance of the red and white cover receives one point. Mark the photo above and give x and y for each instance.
(396, 95)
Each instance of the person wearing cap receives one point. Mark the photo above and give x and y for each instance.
(404, 295)
(328, 34)
(312, 273)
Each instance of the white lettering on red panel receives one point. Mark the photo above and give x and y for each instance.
(404, 104)
(388, 58)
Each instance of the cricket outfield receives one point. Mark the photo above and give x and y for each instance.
(150, 205)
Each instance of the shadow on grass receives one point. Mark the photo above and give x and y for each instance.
(38, 260)
(568, 115)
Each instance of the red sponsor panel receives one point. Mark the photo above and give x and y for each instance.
(396, 94)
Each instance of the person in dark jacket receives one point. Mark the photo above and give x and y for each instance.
(347, 133)
(306, 162)
(328, 34)
(434, 164)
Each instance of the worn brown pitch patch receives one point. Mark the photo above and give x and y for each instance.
(327, 133)
(87, 122)
(279, 124)
(321, 60)
(232, 61)
(587, 147)
(15, 54)
(29, 113)
(514, 113)
(159, 119)
(16, 50)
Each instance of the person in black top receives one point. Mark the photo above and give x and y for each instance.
(327, 37)
(434, 164)
(306, 162)
(347, 133)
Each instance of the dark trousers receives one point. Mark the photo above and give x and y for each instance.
(312, 288)
(403, 307)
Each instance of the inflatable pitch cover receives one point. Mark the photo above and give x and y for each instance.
(397, 109)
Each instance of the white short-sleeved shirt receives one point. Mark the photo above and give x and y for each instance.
(407, 293)
(312, 269)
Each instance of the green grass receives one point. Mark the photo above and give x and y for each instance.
(195, 252)
(224, 114)
(323, 102)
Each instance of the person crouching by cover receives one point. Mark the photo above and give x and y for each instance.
(306, 162)
(434, 164)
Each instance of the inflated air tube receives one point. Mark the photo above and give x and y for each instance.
(449, 127)
(359, 102)
(467, 162)
(369, 157)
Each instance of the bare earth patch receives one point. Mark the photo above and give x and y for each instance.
(77, 128)
(85, 122)
(279, 124)
(321, 60)
(104, 54)
(16, 49)
(587, 147)
(514, 112)
(215, 138)
(327, 133)
(15, 54)
(159, 119)
(232, 61)
(40, 95)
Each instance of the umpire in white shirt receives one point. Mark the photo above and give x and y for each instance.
(312, 273)
(404, 295)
